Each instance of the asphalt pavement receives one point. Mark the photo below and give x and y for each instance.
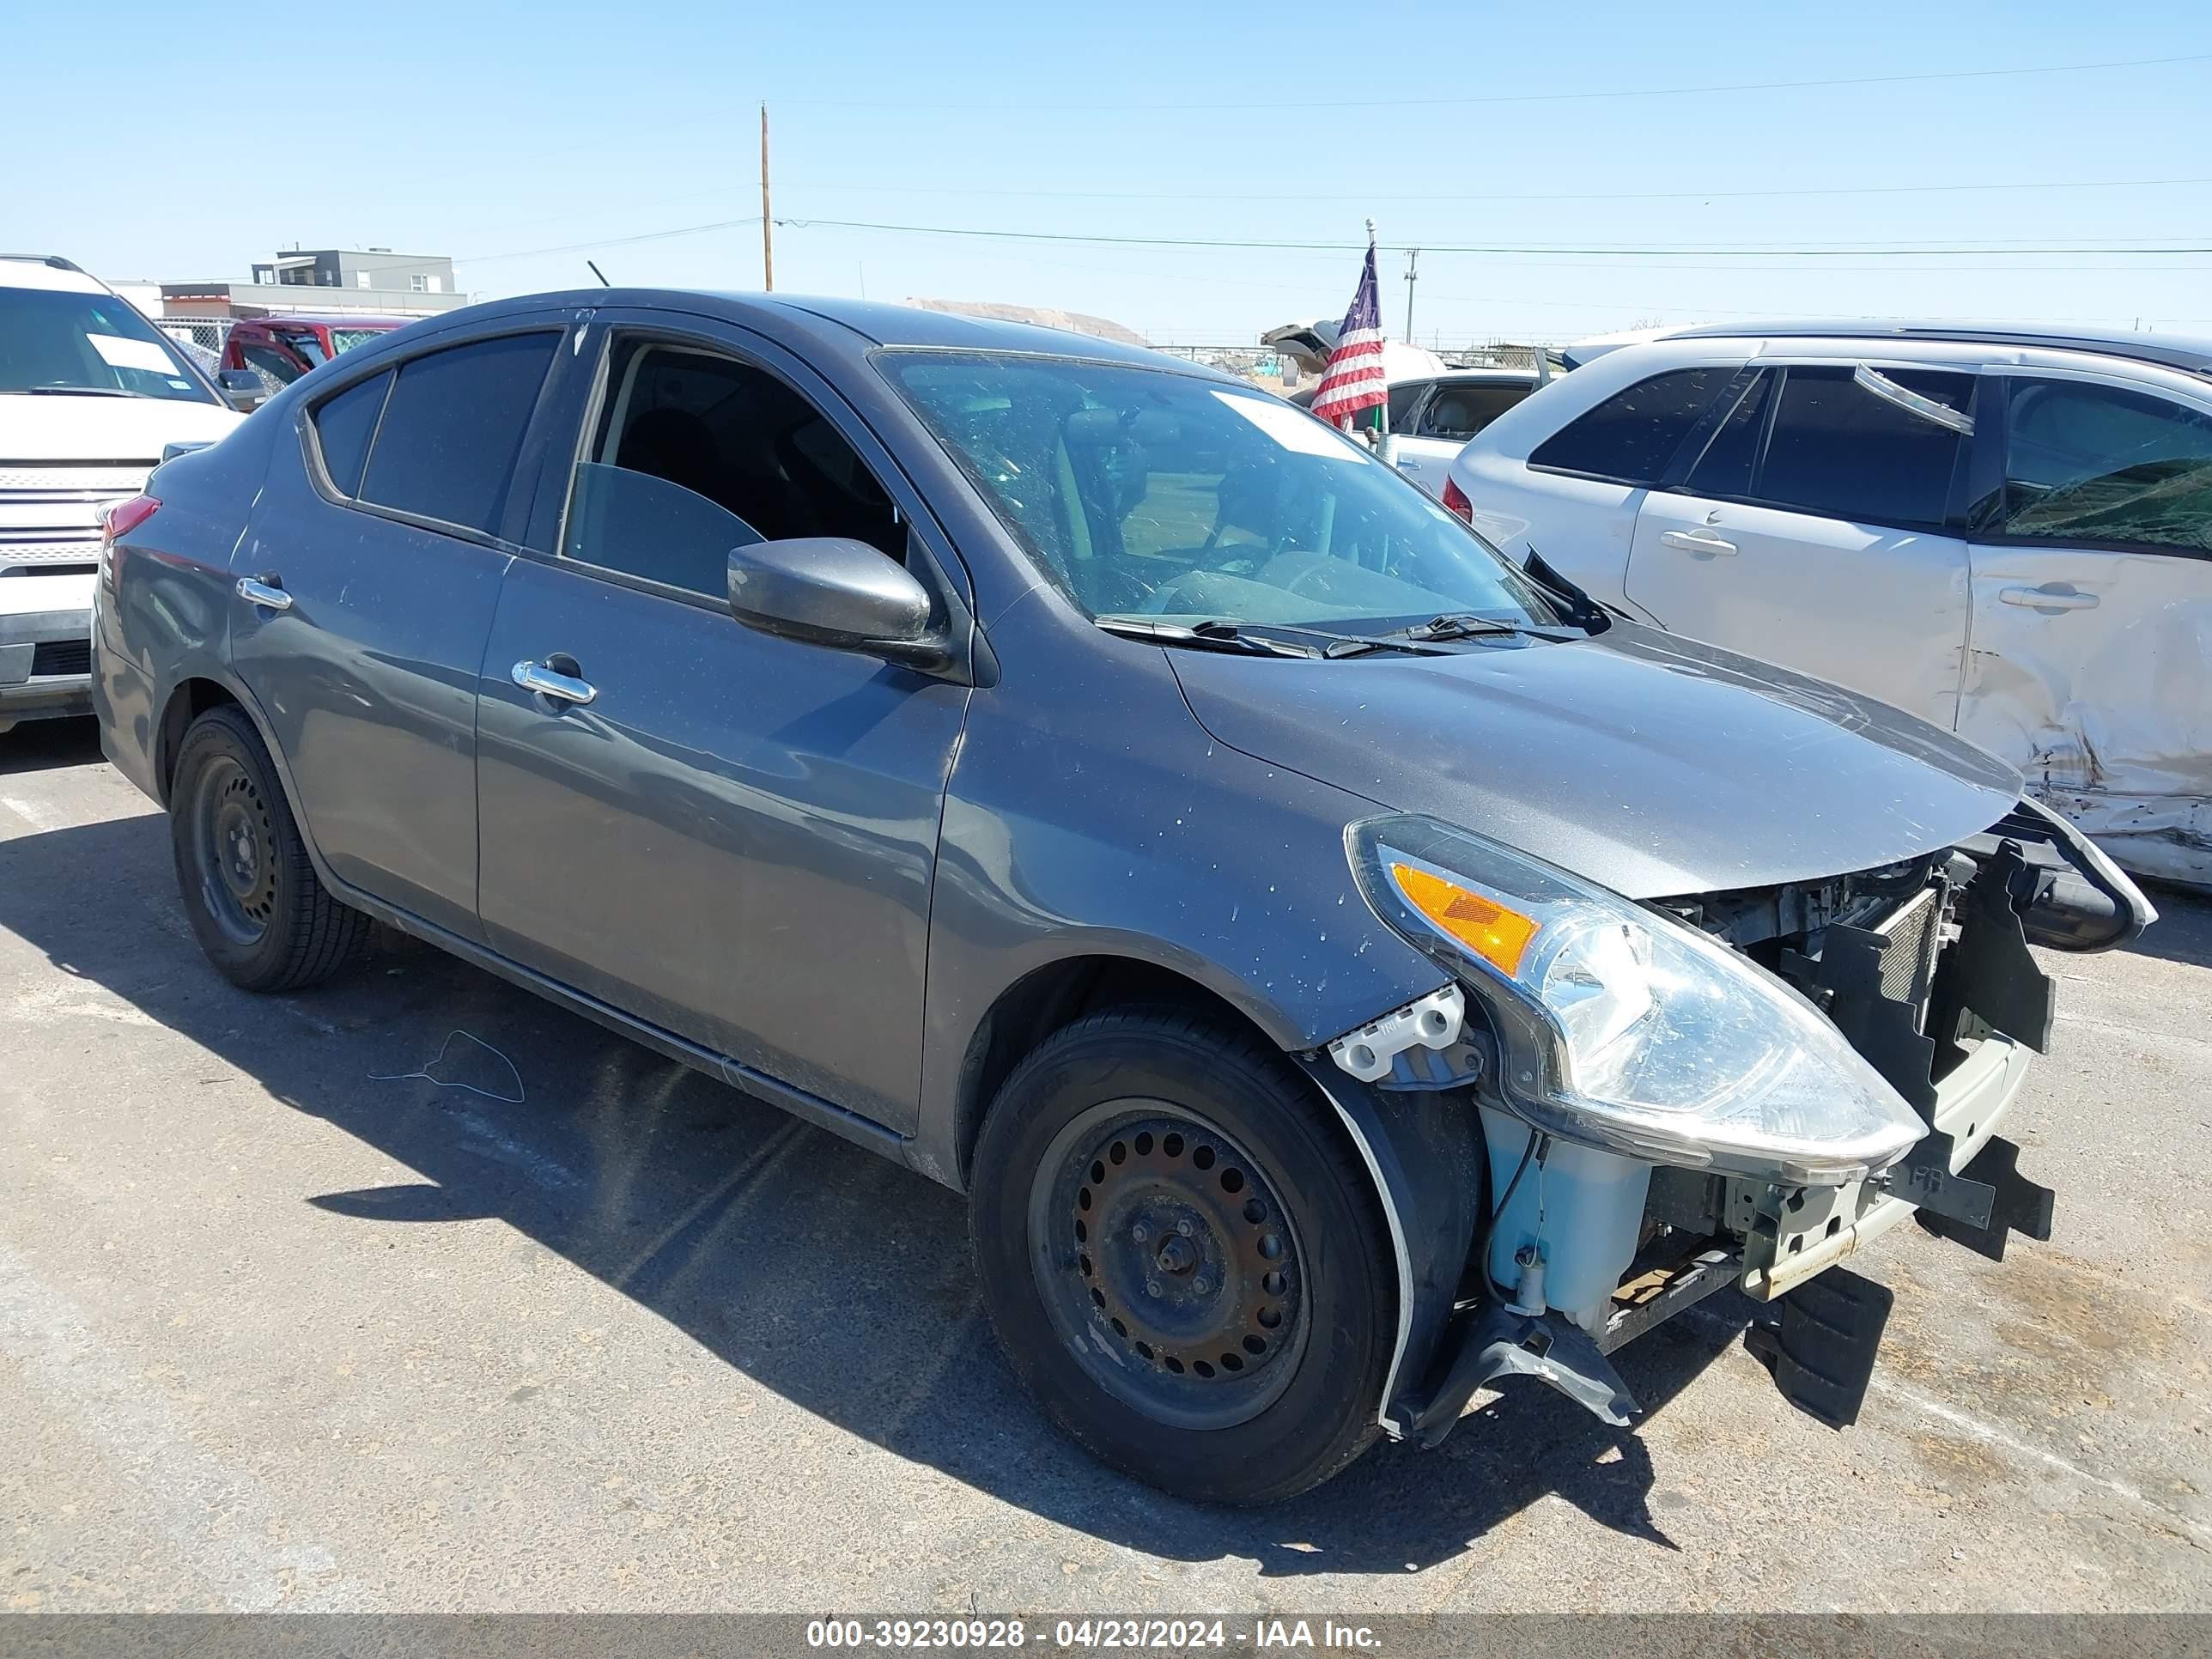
(416, 1293)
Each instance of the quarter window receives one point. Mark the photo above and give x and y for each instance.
(1633, 434)
(2094, 464)
(1460, 411)
(696, 454)
(453, 426)
(1839, 451)
(344, 426)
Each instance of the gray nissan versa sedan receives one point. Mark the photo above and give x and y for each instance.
(1341, 968)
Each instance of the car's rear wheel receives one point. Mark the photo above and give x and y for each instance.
(250, 890)
(1184, 1257)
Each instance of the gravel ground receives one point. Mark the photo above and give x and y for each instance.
(286, 1322)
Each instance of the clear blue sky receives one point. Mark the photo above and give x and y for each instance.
(146, 148)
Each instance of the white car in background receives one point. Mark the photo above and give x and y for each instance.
(1435, 425)
(1432, 416)
(91, 395)
(2008, 533)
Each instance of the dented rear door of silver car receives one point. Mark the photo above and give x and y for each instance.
(2089, 666)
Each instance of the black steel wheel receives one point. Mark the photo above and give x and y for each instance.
(1177, 1282)
(1184, 1257)
(249, 888)
(231, 833)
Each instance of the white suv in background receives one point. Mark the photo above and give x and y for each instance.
(2007, 533)
(91, 394)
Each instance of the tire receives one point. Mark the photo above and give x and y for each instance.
(255, 904)
(1184, 1258)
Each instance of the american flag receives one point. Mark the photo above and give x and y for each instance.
(1354, 379)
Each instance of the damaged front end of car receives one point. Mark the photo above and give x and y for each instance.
(1673, 1096)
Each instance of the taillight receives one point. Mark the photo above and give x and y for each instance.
(120, 520)
(1456, 499)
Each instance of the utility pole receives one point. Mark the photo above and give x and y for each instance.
(768, 224)
(1412, 275)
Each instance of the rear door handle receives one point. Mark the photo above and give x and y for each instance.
(1695, 541)
(2043, 599)
(550, 682)
(256, 590)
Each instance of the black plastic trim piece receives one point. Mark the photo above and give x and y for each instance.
(1821, 1347)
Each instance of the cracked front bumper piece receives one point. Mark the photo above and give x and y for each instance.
(1587, 1250)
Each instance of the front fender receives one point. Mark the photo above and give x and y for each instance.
(1139, 838)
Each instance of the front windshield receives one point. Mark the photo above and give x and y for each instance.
(1168, 497)
(52, 340)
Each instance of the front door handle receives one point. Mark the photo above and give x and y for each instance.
(254, 590)
(1695, 541)
(550, 682)
(2045, 599)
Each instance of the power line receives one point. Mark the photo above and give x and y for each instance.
(1679, 250)
(1669, 252)
(598, 146)
(979, 109)
(1530, 196)
(610, 241)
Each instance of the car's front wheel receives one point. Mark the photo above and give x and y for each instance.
(1185, 1258)
(249, 888)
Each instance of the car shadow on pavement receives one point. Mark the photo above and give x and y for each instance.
(2183, 932)
(42, 745)
(839, 1281)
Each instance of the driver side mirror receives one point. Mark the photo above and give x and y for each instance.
(833, 591)
(243, 387)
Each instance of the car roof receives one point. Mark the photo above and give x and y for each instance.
(337, 319)
(46, 271)
(1487, 373)
(852, 327)
(2166, 351)
(888, 325)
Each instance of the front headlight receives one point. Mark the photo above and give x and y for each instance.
(1625, 1030)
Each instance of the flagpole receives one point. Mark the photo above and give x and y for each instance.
(1382, 408)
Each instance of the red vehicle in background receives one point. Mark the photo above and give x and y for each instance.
(280, 350)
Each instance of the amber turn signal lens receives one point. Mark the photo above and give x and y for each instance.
(1499, 936)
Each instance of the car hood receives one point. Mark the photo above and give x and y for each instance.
(1644, 762)
(122, 430)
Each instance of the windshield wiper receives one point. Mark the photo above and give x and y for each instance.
(78, 392)
(1467, 626)
(1206, 635)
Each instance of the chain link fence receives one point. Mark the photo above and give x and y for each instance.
(207, 333)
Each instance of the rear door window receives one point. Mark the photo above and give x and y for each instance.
(452, 428)
(2086, 463)
(1403, 399)
(344, 426)
(1838, 450)
(1631, 436)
